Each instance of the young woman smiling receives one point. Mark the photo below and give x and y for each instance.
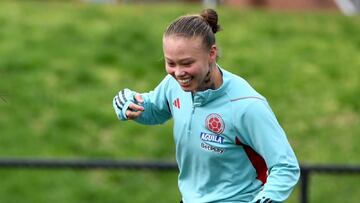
(229, 144)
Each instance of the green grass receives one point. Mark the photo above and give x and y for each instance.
(62, 63)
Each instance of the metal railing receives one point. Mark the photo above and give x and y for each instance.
(82, 164)
(307, 170)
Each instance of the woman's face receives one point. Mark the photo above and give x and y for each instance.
(188, 61)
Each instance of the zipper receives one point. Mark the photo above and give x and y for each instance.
(191, 118)
(191, 115)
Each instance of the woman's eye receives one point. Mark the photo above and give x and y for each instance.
(171, 64)
(187, 64)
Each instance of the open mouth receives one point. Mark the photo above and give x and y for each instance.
(184, 82)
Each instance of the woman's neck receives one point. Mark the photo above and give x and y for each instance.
(213, 79)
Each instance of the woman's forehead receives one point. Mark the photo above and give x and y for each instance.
(182, 46)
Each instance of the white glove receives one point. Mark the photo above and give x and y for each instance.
(263, 200)
(122, 102)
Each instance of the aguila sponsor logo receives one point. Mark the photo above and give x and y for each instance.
(211, 138)
(215, 123)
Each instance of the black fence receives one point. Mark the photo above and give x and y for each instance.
(81, 164)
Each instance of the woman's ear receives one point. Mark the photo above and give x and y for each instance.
(213, 54)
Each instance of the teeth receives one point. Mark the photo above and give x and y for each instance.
(184, 81)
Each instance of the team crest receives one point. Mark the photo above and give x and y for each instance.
(215, 123)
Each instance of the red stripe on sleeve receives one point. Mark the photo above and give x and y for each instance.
(256, 160)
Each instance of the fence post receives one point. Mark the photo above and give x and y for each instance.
(305, 175)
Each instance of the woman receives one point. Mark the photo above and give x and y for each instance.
(229, 145)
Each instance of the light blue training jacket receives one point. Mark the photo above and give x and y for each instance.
(229, 144)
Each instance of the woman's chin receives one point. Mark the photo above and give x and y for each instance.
(187, 88)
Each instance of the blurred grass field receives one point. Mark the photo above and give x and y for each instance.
(62, 63)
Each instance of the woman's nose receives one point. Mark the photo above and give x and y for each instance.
(179, 72)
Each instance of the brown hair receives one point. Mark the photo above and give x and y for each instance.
(204, 25)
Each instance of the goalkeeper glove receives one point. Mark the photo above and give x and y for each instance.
(264, 200)
(122, 102)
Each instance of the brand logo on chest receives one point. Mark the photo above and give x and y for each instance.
(215, 123)
(212, 148)
(176, 103)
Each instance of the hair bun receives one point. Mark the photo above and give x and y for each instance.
(211, 17)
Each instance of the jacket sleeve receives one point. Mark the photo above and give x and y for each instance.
(157, 110)
(267, 138)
